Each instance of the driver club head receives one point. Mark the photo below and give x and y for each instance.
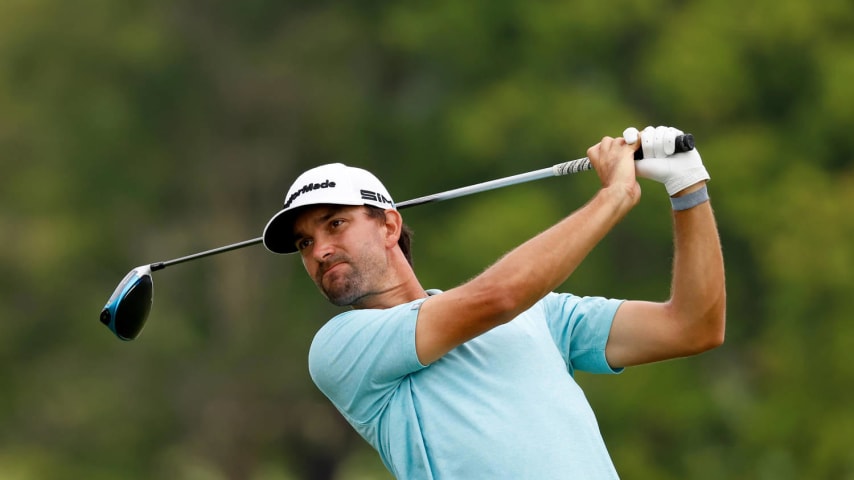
(127, 309)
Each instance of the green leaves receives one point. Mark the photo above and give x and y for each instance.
(132, 132)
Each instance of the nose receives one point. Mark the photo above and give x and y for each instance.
(323, 248)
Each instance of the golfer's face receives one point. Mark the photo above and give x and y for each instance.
(342, 251)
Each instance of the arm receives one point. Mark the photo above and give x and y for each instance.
(693, 319)
(526, 274)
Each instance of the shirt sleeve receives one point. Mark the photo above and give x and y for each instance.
(359, 357)
(580, 327)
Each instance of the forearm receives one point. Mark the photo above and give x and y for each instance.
(698, 292)
(526, 274)
(692, 320)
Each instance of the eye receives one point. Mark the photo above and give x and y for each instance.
(336, 223)
(303, 243)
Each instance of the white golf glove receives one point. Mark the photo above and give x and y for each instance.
(677, 171)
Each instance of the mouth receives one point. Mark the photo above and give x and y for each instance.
(331, 269)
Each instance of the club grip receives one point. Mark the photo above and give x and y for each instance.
(684, 143)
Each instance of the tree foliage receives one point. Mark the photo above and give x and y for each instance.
(132, 132)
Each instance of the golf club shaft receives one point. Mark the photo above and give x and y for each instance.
(207, 253)
(565, 168)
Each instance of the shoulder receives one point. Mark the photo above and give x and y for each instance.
(360, 355)
(357, 335)
(366, 322)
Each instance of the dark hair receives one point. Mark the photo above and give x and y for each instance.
(405, 240)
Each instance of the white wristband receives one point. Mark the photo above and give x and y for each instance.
(690, 200)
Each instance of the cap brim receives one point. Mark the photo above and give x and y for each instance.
(279, 232)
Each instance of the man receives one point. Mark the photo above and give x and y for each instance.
(476, 382)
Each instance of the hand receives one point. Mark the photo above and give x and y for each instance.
(676, 171)
(613, 161)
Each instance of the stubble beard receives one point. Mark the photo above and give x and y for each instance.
(344, 291)
(347, 288)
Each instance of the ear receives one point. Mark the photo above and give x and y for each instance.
(394, 225)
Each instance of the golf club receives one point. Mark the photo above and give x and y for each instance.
(127, 308)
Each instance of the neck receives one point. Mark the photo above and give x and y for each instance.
(401, 286)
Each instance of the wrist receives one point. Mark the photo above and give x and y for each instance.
(621, 197)
(684, 178)
(690, 197)
(689, 189)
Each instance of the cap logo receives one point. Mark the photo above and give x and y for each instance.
(310, 187)
(375, 197)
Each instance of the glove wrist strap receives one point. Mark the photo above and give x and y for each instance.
(690, 200)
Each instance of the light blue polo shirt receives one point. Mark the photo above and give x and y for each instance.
(501, 406)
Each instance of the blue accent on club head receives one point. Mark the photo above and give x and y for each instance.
(127, 308)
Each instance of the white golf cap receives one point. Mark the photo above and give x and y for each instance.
(332, 184)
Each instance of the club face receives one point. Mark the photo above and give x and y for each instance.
(127, 309)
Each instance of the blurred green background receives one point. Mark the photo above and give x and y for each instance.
(136, 131)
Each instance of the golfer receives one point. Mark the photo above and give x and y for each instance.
(476, 382)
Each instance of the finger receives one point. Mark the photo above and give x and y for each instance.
(660, 137)
(631, 135)
(605, 145)
(593, 152)
(648, 142)
(670, 140)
